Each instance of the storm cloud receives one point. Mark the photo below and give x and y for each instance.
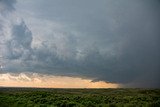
(112, 41)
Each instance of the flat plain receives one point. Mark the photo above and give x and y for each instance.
(48, 97)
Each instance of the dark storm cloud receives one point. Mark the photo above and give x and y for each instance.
(19, 46)
(7, 5)
(117, 41)
(15, 38)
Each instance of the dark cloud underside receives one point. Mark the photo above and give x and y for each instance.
(114, 41)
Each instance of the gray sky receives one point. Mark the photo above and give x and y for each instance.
(111, 40)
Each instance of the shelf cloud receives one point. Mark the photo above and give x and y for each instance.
(112, 41)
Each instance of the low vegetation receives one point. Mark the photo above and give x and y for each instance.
(33, 97)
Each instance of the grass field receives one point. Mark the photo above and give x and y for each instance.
(41, 97)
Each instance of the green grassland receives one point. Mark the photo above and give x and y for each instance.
(41, 97)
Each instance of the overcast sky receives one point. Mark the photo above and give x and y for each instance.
(115, 41)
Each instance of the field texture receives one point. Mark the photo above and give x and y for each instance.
(33, 97)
